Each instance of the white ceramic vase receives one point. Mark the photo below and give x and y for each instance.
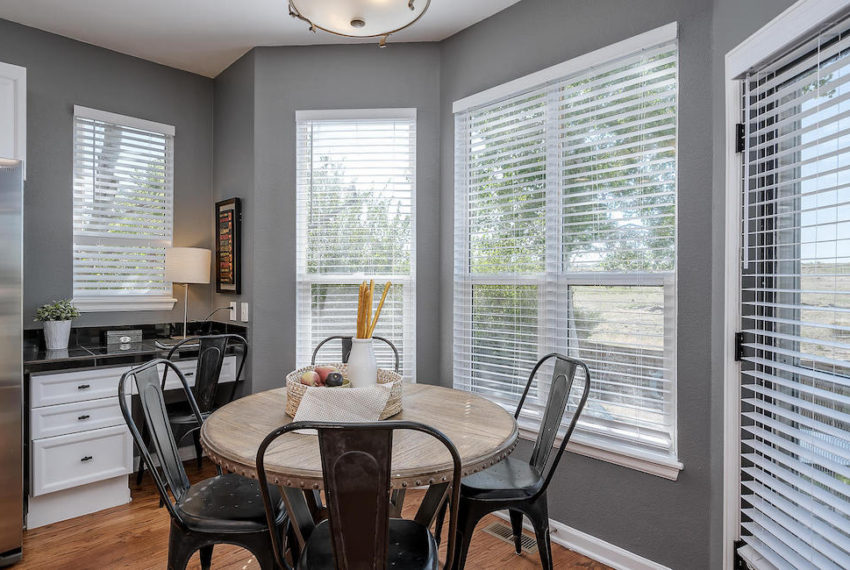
(362, 368)
(56, 334)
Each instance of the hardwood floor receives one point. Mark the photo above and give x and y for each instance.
(135, 536)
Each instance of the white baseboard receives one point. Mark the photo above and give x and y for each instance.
(593, 547)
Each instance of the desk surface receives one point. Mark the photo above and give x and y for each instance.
(482, 431)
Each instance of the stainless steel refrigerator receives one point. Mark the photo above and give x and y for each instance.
(11, 366)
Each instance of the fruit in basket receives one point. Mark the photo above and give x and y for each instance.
(334, 379)
(324, 371)
(311, 378)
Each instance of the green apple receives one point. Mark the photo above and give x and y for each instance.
(310, 378)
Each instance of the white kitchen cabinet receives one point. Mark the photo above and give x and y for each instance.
(80, 448)
(13, 113)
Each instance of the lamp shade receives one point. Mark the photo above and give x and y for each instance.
(187, 265)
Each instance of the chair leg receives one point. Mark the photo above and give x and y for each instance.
(260, 545)
(180, 548)
(538, 513)
(516, 527)
(206, 556)
(468, 517)
(438, 522)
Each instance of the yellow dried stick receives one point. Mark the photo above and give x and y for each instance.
(380, 306)
(369, 294)
(361, 330)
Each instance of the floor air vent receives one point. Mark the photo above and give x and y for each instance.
(504, 532)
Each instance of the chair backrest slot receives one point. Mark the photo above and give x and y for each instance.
(159, 429)
(357, 471)
(171, 474)
(356, 467)
(211, 352)
(556, 404)
(560, 389)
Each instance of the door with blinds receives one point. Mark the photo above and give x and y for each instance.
(795, 308)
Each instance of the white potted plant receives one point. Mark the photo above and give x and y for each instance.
(57, 317)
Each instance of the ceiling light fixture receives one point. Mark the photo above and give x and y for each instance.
(359, 18)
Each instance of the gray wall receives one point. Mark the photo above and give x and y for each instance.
(61, 73)
(734, 21)
(662, 520)
(234, 163)
(334, 77)
(234, 175)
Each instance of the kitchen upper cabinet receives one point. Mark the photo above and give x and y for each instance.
(13, 112)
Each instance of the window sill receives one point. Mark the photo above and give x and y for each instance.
(663, 467)
(138, 303)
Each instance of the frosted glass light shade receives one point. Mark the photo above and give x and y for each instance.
(187, 265)
(359, 18)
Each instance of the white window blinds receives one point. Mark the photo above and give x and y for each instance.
(356, 220)
(565, 241)
(795, 374)
(123, 205)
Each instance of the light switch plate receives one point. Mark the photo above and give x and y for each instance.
(244, 312)
(233, 310)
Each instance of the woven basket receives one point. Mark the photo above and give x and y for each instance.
(295, 390)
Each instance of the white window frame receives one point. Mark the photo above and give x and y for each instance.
(612, 452)
(118, 303)
(789, 28)
(407, 282)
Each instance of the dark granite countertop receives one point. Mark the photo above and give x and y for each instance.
(87, 347)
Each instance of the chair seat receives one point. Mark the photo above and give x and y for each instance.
(412, 546)
(226, 503)
(509, 479)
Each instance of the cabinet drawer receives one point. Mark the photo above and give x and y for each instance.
(65, 387)
(67, 461)
(187, 367)
(62, 419)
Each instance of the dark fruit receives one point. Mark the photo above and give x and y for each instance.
(334, 379)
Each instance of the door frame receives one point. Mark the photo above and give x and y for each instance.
(790, 27)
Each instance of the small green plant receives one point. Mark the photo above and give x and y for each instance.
(57, 311)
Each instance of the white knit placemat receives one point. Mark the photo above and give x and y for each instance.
(343, 405)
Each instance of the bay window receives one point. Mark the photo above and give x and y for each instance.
(565, 241)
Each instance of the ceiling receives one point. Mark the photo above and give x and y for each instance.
(206, 36)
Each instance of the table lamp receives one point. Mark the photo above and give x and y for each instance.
(185, 265)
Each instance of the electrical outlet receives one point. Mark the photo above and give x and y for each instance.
(244, 312)
(233, 310)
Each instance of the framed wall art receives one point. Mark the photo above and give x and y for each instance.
(228, 216)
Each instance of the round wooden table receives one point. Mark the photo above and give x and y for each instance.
(482, 431)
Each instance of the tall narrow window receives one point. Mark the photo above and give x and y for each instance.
(356, 220)
(795, 312)
(565, 241)
(123, 209)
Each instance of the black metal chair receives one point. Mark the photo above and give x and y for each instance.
(359, 533)
(211, 352)
(346, 348)
(520, 486)
(222, 509)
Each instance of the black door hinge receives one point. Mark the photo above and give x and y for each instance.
(739, 563)
(739, 346)
(740, 139)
